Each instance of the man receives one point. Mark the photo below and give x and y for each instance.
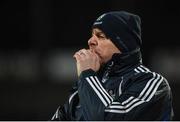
(113, 83)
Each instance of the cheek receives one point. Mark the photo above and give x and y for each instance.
(100, 50)
(103, 50)
(106, 52)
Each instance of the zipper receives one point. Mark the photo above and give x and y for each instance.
(106, 74)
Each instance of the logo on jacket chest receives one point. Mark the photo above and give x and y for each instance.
(105, 78)
(111, 93)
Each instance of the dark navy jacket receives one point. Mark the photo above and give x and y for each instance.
(123, 89)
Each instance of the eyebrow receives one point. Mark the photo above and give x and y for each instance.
(97, 32)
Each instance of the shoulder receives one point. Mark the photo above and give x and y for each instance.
(145, 84)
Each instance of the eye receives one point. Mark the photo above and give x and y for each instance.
(101, 36)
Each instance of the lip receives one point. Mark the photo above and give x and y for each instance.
(96, 53)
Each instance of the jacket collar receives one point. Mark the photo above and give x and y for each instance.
(120, 63)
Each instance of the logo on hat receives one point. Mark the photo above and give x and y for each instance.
(97, 23)
(99, 18)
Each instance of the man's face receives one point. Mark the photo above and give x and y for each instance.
(102, 46)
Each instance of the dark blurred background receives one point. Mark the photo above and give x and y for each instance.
(39, 37)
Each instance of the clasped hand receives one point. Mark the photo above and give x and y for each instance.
(86, 59)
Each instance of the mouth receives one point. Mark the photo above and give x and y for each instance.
(98, 54)
(93, 51)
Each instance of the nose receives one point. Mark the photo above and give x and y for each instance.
(92, 42)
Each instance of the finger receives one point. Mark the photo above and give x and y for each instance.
(77, 56)
(76, 53)
(87, 52)
(91, 50)
(96, 56)
(83, 51)
(74, 56)
(80, 52)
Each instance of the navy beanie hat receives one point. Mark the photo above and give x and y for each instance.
(123, 28)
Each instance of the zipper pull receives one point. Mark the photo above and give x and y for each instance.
(106, 74)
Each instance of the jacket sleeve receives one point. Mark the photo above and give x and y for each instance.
(93, 97)
(60, 114)
(64, 112)
(148, 98)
